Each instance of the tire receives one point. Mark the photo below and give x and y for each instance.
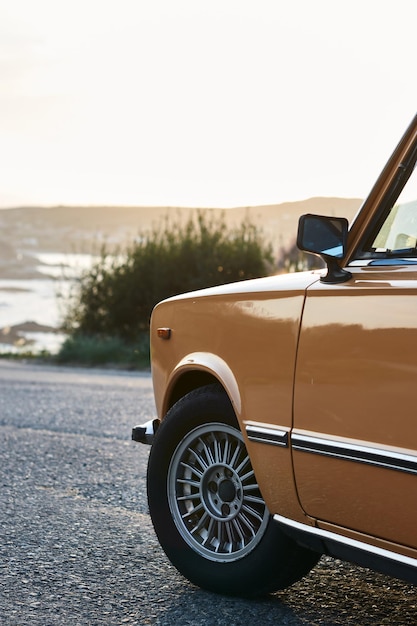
(206, 507)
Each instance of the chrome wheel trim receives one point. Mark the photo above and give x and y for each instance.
(213, 495)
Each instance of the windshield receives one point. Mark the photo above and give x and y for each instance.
(398, 233)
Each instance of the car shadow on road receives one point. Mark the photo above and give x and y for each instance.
(335, 593)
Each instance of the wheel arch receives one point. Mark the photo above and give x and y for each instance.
(197, 370)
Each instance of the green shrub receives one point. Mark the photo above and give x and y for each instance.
(116, 296)
(91, 350)
(294, 260)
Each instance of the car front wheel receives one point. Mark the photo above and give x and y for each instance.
(206, 506)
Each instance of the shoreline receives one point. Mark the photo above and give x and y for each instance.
(27, 335)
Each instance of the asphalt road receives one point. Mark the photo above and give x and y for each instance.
(77, 546)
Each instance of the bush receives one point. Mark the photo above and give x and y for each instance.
(103, 351)
(295, 260)
(116, 296)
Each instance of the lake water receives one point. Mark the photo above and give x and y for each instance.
(40, 300)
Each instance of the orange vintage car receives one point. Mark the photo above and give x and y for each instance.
(286, 425)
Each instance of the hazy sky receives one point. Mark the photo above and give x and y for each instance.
(201, 102)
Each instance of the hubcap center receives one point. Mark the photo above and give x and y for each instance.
(227, 491)
(221, 492)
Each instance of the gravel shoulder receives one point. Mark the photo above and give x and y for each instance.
(77, 545)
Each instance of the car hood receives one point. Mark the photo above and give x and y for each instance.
(282, 282)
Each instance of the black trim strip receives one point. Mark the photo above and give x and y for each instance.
(261, 434)
(353, 452)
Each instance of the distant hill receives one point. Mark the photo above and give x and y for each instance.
(27, 230)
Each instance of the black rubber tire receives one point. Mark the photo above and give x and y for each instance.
(216, 560)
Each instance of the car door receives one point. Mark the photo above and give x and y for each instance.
(354, 439)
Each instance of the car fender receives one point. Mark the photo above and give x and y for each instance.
(214, 366)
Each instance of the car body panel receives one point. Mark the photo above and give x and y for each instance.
(247, 341)
(259, 318)
(356, 385)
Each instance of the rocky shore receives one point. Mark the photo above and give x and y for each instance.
(17, 335)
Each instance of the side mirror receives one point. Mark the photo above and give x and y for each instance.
(327, 237)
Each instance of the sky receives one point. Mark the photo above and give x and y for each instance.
(208, 103)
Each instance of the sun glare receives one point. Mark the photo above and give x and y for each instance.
(204, 104)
